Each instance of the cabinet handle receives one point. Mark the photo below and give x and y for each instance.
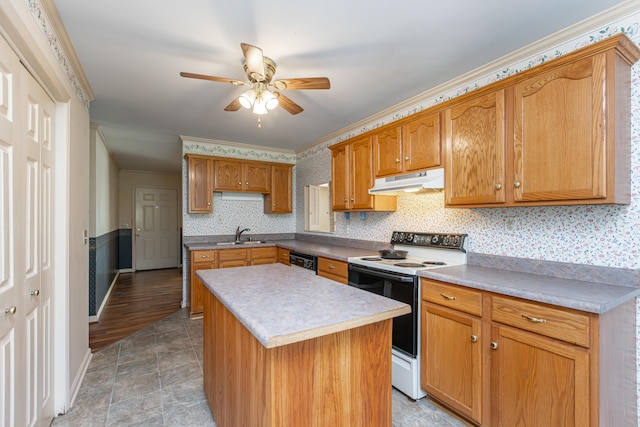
(449, 297)
(534, 319)
(516, 184)
(204, 256)
(498, 186)
(474, 338)
(11, 310)
(345, 200)
(331, 266)
(493, 345)
(397, 160)
(35, 292)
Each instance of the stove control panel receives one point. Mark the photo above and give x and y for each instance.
(433, 240)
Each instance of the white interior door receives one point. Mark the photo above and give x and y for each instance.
(156, 228)
(26, 266)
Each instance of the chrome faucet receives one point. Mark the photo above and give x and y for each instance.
(239, 233)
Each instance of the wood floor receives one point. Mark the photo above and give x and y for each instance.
(137, 300)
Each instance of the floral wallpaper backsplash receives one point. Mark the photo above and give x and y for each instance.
(591, 234)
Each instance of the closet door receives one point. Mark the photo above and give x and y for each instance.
(26, 265)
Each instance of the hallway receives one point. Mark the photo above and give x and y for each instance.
(137, 300)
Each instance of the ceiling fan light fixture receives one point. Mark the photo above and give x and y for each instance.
(248, 98)
(270, 100)
(260, 106)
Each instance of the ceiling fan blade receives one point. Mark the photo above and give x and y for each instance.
(288, 104)
(213, 78)
(303, 83)
(233, 106)
(255, 62)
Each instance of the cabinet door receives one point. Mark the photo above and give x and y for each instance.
(361, 171)
(538, 381)
(387, 152)
(559, 137)
(421, 143)
(257, 177)
(268, 255)
(200, 184)
(279, 200)
(451, 359)
(475, 145)
(340, 178)
(200, 260)
(228, 176)
(283, 256)
(233, 258)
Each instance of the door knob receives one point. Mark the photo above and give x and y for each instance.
(11, 310)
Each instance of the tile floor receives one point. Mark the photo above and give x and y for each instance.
(154, 378)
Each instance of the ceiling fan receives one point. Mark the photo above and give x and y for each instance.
(263, 94)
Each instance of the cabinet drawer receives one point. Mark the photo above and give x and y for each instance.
(563, 324)
(232, 254)
(268, 252)
(456, 297)
(332, 269)
(283, 256)
(203, 256)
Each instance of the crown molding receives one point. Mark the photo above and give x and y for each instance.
(187, 139)
(67, 45)
(565, 35)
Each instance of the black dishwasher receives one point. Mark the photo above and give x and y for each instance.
(310, 262)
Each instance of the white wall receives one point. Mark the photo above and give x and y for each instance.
(104, 186)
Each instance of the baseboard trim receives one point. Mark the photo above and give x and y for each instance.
(126, 270)
(93, 319)
(77, 381)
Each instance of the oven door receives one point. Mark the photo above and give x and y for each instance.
(397, 286)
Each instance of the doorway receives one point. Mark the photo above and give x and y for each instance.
(156, 228)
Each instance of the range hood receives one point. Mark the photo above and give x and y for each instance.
(412, 182)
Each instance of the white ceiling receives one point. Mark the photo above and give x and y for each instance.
(376, 54)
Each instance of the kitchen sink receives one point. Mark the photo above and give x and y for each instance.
(243, 242)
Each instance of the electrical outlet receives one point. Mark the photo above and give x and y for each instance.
(509, 222)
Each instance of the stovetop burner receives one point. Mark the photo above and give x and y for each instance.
(407, 264)
(372, 258)
(434, 263)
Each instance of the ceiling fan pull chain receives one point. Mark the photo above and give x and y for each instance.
(259, 122)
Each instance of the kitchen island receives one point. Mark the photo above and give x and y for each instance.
(284, 347)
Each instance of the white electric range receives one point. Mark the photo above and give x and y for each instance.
(397, 278)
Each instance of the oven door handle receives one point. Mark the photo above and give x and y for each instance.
(381, 274)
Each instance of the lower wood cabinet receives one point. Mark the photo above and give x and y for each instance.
(504, 361)
(200, 260)
(233, 258)
(283, 256)
(333, 269)
(266, 255)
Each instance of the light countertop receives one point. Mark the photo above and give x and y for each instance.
(581, 295)
(281, 305)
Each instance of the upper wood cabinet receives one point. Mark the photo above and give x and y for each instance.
(475, 142)
(558, 133)
(238, 175)
(352, 177)
(200, 183)
(410, 147)
(278, 201)
(560, 141)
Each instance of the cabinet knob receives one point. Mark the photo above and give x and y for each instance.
(331, 266)
(493, 345)
(35, 292)
(345, 199)
(239, 182)
(516, 184)
(204, 256)
(247, 183)
(498, 186)
(406, 158)
(10, 310)
(352, 199)
(397, 160)
(474, 338)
